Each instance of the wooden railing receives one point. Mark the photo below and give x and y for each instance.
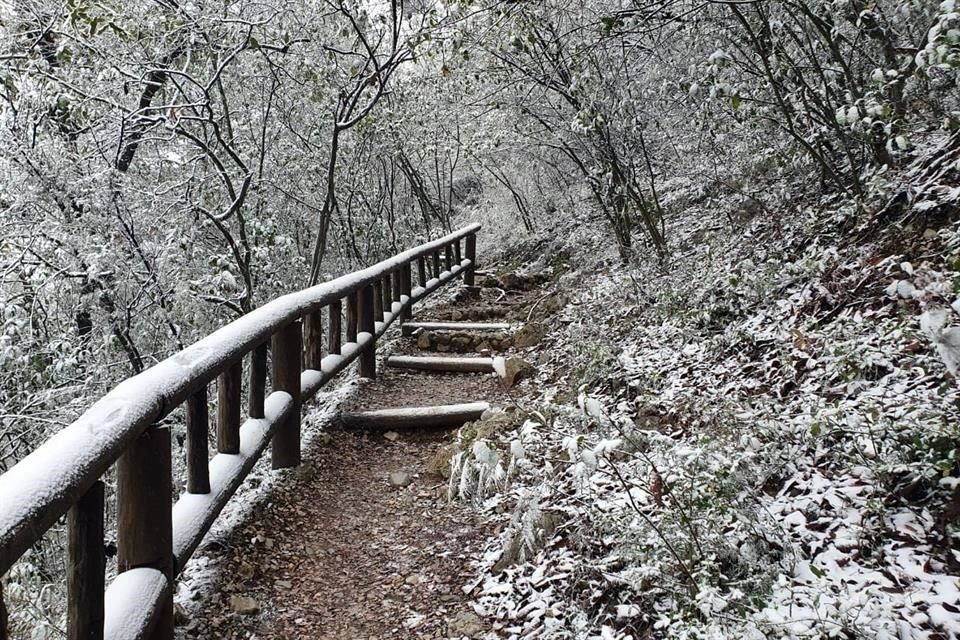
(156, 537)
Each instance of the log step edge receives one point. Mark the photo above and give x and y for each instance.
(409, 328)
(435, 363)
(452, 415)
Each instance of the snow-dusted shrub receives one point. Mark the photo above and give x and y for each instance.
(484, 461)
(34, 600)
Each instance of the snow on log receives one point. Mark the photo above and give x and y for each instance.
(411, 327)
(132, 603)
(462, 365)
(195, 513)
(43, 486)
(452, 415)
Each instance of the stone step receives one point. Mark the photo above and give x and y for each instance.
(409, 328)
(428, 363)
(451, 415)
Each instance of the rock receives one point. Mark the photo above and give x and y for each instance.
(511, 281)
(462, 343)
(424, 340)
(529, 334)
(439, 465)
(443, 348)
(555, 303)
(283, 584)
(392, 436)
(483, 348)
(400, 478)
(413, 580)
(180, 616)
(512, 369)
(465, 623)
(456, 315)
(244, 605)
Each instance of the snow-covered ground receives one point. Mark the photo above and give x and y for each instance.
(764, 443)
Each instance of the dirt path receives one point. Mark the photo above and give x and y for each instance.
(345, 554)
(361, 541)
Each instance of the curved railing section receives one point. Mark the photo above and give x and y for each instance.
(155, 537)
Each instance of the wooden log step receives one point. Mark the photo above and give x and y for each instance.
(460, 365)
(409, 328)
(451, 415)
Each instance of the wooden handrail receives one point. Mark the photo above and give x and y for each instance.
(54, 478)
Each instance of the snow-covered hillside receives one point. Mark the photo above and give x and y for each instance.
(756, 439)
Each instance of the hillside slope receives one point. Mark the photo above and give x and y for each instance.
(756, 439)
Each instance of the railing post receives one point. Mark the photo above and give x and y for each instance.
(198, 463)
(406, 288)
(469, 276)
(436, 263)
(286, 347)
(386, 293)
(368, 358)
(258, 381)
(86, 563)
(422, 271)
(334, 334)
(144, 521)
(457, 254)
(352, 317)
(229, 387)
(448, 257)
(377, 299)
(397, 277)
(313, 340)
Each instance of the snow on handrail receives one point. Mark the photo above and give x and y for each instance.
(40, 489)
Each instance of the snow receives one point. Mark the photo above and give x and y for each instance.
(131, 601)
(194, 513)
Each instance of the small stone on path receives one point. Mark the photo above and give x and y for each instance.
(465, 623)
(392, 436)
(244, 605)
(400, 478)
